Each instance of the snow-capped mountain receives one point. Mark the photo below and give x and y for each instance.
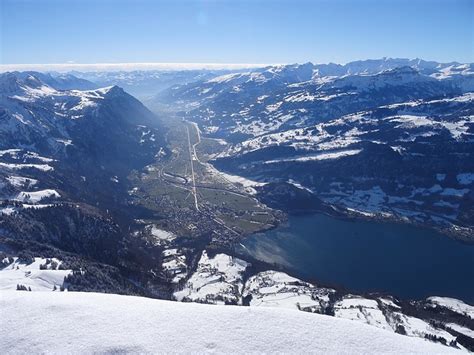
(54, 80)
(250, 104)
(373, 66)
(390, 138)
(64, 158)
(253, 83)
(43, 115)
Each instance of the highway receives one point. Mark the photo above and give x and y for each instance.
(191, 154)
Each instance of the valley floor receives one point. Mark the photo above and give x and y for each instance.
(194, 199)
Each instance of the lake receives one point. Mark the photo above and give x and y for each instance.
(363, 256)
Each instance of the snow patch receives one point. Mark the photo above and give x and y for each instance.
(37, 196)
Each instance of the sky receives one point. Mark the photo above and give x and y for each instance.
(239, 31)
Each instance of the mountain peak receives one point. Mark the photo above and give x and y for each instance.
(110, 91)
(404, 70)
(9, 83)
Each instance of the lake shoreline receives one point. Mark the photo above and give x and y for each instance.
(423, 237)
(464, 237)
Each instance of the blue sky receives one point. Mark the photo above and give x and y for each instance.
(242, 31)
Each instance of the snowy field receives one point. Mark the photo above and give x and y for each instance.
(216, 280)
(41, 275)
(72, 322)
(277, 289)
(161, 236)
(454, 305)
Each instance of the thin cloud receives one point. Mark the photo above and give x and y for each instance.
(65, 67)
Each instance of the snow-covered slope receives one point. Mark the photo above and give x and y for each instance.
(452, 304)
(37, 115)
(41, 275)
(49, 128)
(424, 145)
(249, 104)
(99, 323)
(65, 154)
(217, 280)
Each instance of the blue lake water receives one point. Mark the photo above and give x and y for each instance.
(363, 256)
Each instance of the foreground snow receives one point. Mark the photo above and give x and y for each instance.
(102, 323)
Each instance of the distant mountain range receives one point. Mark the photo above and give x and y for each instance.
(144, 84)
